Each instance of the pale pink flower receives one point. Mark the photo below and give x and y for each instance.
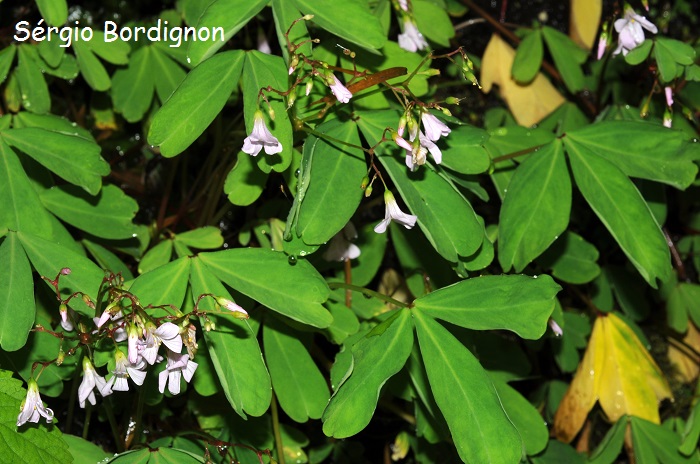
(411, 39)
(66, 321)
(631, 31)
(403, 4)
(556, 328)
(178, 365)
(339, 90)
(668, 91)
(602, 45)
(237, 310)
(434, 128)
(432, 147)
(32, 408)
(260, 138)
(91, 380)
(393, 213)
(133, 335)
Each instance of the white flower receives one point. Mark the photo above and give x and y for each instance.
(416, 157)
(167, 333)
(434, 128)
(91, 380)
(133, 335)
(66, 321)
(340, 248)
(411, 39)
(263, 44)
(432, 148)
(179, 365)
(32, 407)
(122, 371)
(630, 31)
(403, 4)
(555, 327)
(261, 137)
(668, 91)
(394, 213)
(339, 90)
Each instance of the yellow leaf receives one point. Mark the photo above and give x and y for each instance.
(684, 359)
(528, 103)
(584, 21)
(619, 373)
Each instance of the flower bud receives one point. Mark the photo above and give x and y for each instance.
(365, 182)
(88, 301)
(452, 101)
(368, 191)
(402, 125)
(309, 86)
(446, 112)
(65, 271)
(271, 113)
(308, 17)
(291, 98)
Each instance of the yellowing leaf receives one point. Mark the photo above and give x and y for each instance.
(616, 371)
(528, 103)
(684, 359)
(584, 21)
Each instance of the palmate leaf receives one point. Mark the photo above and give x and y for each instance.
(233, 349)
(164, 285)
(468, 400)
(654, 443)
(376, 357)
(621, 208)
(35, 90)
(132, 88)
(528, 57)
(618, 372)
(536, 207)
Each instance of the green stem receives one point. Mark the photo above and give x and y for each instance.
(333, 139)
(86, 425)
(73, 396)
(139, 410)
(498, 159)
(276, 430)
(367, 291)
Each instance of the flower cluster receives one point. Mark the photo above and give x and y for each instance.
(421, 142)
(630, 31)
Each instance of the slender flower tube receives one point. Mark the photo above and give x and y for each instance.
(133, 335)
(91, 380)
(260, 137)
(668, 91)
(32, 408)
(411, 39)
(238, 311)
(339, 90)
(393, 213)
(66, 322)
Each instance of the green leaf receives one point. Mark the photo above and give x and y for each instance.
(683, 303)
(245, 182)
(72, 157)
(48, 258)
(300, 387)
(571, 259)
(345, 322)
(465, 152)
(107, 215)
(654, 443)
(116, 52)
(195, 103)
(49, 122)
(35, 91)
(670, 53)
(623, 211)
(157, 456)
(22, 209)
(28, 444)
(169, 73)
(231, 15)
(334, 187)
(691, 433)
(92, 70)
(106, 259)
(7, 56)
(132, 88)
(55, 12)
(284, 13)
(266, 276)
(557, 452)
(536, 207)
(639, 149)
(353, 22)
(376, 357)
(444, 215)
(165, 285)
(203, 238)
(567, 56)
(260, 71)
(526, 419)
(609, 449)
(639, 54)
(233, 349)
(156, 256)
(16, 295)
(528, 57)
(518, 303)
(83, 451)
(466, 396)
(433, 21)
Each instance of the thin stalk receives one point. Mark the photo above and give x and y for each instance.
(516, 154)
(139, 410)
(71, 404)
(86, 425)
(118, 442)
(276, 430)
